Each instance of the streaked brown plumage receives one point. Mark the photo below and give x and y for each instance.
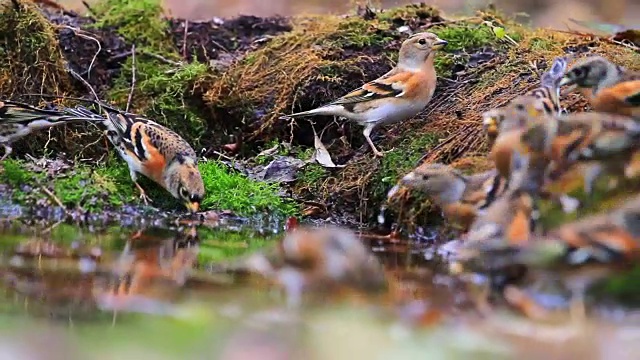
(154, 151)
(544, 99)
(18, 120)
(610, 88)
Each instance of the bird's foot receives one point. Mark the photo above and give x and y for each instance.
(380, 154)
(143, 195)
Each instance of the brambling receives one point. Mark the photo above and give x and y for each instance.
(604, 142)
(18, 120)
(459, 196)
(544, 99)
(396, 96)
(154, 151)
(610, 88)
(511, 218)
(311, 258)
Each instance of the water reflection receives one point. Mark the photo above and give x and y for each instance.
(256, 291)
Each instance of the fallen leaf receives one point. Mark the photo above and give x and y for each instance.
(321, 154)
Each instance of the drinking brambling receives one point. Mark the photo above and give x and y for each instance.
(544, 99)
(154, 151)
(397, 95)
(609, 87)
(459, 196)
(511, 217)
(18, 120)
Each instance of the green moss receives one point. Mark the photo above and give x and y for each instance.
(138, 21)
(165, 94)
(15, 174)
(465, 37)
(622, 287)
(538, 44)
(312, 175)
(399, 161)
(236, 192)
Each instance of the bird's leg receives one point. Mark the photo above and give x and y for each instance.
(7, 151)
(367, 134)
(143, 195)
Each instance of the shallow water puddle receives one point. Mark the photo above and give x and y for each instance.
(171, 289)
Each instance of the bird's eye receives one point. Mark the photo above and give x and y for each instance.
(184, 193)
(520, 107)
(577, 72)
(422, 41)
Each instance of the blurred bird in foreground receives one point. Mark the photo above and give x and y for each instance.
(154, 151)
(397, 95)
(313, 258)
(544, 99)
(610, 88)
(18, 120)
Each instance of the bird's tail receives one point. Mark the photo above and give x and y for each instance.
(110, 121)
(551, 78)
(17, 112)
(323, 110)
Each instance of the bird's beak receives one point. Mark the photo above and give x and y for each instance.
(565, 81)
(439, 44)
(193, 206)
(407, 179)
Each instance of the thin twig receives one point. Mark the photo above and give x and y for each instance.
(86, 5)
(184, 39)
(162, 58)
(52, 196)
(448, 22)
(86, 83)
(81, 33)
(133, 77)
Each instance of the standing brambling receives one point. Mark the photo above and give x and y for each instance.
(610, 88)
(18, 120)
(153, 151)
(544, 99)
(459, 196)
(397, 95)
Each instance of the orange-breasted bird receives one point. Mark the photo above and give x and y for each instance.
(398, 95)
(154, 151)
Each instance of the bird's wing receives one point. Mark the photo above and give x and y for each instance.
(392, 84)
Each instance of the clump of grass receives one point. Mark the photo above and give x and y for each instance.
(30, 60)
(236, 192)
